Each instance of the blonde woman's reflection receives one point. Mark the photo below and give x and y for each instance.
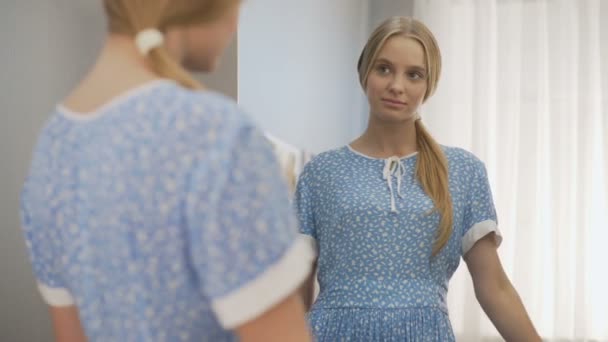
(392, 213)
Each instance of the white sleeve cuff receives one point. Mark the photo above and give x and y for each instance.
(268, 289)
(55, 296)
(477, 232)
(312, 242)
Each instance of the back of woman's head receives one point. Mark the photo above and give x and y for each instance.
(130, 17)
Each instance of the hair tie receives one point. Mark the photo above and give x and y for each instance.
(148, 39)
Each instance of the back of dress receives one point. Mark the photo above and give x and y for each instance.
(158, 213)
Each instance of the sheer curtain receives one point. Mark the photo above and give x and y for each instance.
(524, 88)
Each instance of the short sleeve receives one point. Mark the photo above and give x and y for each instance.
(45, 262)
(480, 214)
(243, 234)
(303, 203)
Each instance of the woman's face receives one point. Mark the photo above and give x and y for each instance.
(397, 82)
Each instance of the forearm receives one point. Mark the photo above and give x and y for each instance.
(307, 292)
(66, 324)
(284, 322)
(508, 314)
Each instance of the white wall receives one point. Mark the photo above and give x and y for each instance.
(604, 57)
(225, 78)
(379, 10)
(297, 69)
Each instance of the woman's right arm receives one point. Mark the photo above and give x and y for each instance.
(244, 242)
(308, 288)
(284, 322)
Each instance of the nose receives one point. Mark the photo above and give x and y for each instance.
(397, 85)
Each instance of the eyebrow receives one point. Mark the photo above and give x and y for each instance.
(418, 68)
(414, 67)
(383, 60)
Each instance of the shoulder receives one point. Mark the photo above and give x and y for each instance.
(210, 119)
(461, 159)
(209, 109)
(326, 161)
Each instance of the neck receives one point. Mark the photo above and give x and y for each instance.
(119, 56)
(118, 68)
(387, 139)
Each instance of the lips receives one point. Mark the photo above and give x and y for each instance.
(393, 102)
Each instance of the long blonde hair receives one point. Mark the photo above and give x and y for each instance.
(129, 17)
(432, 164)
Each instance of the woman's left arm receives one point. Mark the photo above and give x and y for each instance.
(496, 294)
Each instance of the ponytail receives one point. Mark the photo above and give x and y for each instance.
(132, 17)
(432, 173)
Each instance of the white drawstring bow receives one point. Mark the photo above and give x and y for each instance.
(392, 166)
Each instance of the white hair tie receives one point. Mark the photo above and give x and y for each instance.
(148, 39)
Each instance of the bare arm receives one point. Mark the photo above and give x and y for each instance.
(284, 322)
(66, 324)
(308, 288)
(496, 294)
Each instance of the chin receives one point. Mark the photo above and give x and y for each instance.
(395, 117)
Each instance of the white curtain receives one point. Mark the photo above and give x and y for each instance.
(525, 88)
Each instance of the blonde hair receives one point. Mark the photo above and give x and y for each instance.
(432, 164)
(129, 17)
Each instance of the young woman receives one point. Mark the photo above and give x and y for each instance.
(153, 210)
(392, 213)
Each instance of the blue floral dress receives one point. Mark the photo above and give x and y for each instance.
(162, 216)
(372, 226)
